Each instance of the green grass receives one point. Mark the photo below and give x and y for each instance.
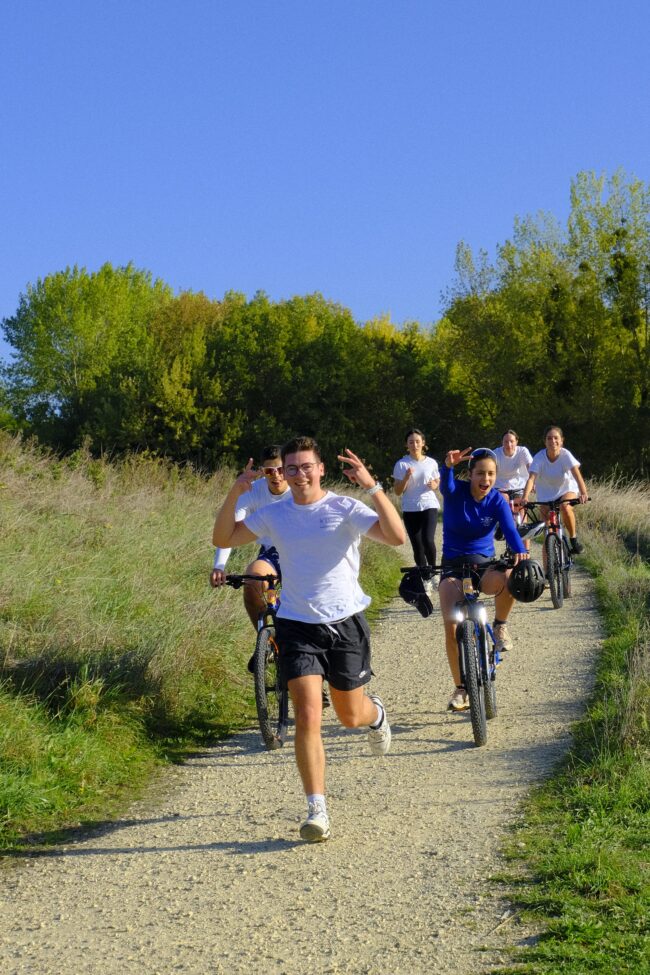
(583, 844)
(115, 653)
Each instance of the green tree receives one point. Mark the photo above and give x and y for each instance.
(83, 355)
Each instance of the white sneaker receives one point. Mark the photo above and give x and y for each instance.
(459, 701)
(379, 738)
(502, 638)
(316, 827)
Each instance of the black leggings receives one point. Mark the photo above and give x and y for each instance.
(421, 529)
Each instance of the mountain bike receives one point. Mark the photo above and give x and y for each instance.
(526, 523)
(477, 654)
(557, 552)
(271, 700)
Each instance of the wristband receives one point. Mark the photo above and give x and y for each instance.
(376, 487)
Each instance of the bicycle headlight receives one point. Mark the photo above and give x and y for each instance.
(482, 614)
(458, 616)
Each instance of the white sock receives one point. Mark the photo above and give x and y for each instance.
(316, 797)
(380, 716)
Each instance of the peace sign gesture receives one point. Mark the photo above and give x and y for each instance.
(245, 480)
(357, 472)
(454, 457)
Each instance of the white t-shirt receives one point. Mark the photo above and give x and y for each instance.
(318, 546)
(258, 497)
(554, 478)
(417, 495)
(512, 472)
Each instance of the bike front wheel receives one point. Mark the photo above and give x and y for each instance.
(488, 674)
(471, 669)
(271, 700)
(554, 569)
(566, 569)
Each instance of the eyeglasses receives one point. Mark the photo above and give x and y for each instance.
(272, 470)
(292, 469)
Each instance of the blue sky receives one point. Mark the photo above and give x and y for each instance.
(341, 146)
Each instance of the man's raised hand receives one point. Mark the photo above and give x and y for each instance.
(357, 472)
(247, 476)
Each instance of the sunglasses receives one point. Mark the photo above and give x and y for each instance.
(272, 470)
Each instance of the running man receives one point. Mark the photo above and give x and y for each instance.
(321, 630)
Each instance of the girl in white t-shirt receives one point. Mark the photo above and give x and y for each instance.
(513, 462)
(555, 474)
(416, 479)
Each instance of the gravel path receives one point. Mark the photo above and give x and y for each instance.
(213, 879)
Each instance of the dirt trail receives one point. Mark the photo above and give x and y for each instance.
(213, 879)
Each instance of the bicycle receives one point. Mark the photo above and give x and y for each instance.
(559, 561)
(478, 657)
(527, 530)
(271, 700)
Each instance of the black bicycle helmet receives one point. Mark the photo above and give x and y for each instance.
(526, 581)
(412, 591)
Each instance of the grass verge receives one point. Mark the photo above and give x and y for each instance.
(582, 847)
(115, 654)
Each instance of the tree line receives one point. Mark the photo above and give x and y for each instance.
(554, 329)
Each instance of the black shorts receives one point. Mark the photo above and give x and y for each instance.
(455, 568)
(338, 652)
(271, 556)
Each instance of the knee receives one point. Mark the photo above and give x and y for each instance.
(308, 716)
(349, 719)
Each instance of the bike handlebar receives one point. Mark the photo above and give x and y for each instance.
(428, 570)
(236, 580)
(553, 505)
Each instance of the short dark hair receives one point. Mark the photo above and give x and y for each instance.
(553, 426)
(513, 433)
(300, 443)
(270, 452)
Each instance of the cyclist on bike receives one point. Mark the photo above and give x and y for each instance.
(555, 475)
(416, 479)
(320, 627)
(471, 511)
(269, 488)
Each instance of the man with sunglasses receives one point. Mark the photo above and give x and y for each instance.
(268, 486)
(320, 627)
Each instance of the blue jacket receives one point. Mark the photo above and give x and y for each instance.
(468, 525)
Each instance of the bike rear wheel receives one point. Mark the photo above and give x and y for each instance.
(470, 666)
(566, 569)
(554, 569)
(271, 701)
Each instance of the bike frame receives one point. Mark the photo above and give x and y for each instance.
(272, 597)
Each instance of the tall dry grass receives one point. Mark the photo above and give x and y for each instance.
(104, 566)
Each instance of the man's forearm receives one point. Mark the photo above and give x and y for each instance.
(225, 522)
